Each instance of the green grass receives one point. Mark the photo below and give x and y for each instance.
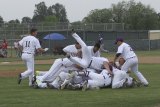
(139, 53)
(111, 54)
(13, 95)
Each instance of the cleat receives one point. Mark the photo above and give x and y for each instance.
(135, 83)
(63, 85)
(35, 85)
(84, 86)
(125, 83)
(34, 79)
(19, 79)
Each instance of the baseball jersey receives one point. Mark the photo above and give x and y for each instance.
(97, 63)
(29, 44)
(126, 51)
(97, 54)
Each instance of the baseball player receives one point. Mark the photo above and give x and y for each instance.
(97, 80)
(29, 44)
(131, 60)
(86, 58)
(94, 50)
(58, 66)
(103, 63)
(74, 50)
(100, 41)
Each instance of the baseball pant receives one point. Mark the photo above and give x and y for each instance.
(29, 62)
(58, 66)
(119, 78)
(99, 80)
(133, 64)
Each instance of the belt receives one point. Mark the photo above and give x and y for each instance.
(90, 64)
(27, 52)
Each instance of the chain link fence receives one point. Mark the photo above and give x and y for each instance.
(88, 32)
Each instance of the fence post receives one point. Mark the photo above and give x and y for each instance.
(149, 41)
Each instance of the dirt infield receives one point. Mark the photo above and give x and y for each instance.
(146, 60)
(9, 73)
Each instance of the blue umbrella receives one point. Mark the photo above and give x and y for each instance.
(54, 36)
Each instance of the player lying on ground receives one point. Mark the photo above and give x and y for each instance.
(103, 63)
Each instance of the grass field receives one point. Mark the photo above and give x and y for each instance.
(14, 95)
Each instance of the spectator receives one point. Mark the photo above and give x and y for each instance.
(4, 47)
(16, 47)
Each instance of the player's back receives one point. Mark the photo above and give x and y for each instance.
(127, 51)
(29, 44)
(97, 62)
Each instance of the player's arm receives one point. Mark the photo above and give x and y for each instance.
(38, 47)
(106, 66)
(119, 52)
(67, 49)
(20, 43)
(116, 57)
(42, 50)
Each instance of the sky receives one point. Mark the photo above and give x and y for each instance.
(76, 9)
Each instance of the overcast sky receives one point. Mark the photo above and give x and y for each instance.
(76, 9)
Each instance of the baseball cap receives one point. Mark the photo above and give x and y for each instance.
(118, 39)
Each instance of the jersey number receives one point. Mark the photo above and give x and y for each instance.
(27, 43)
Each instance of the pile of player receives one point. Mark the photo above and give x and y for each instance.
(83, 68)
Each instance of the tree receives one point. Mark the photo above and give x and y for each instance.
(50, 19)
(14, 21)
(26, 20)
(141, 17)
(135, 16)
(56, 11)
(98, 16)
(1, 21)
(59, 11)
(40, 12)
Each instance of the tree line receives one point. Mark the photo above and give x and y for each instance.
(134, 15)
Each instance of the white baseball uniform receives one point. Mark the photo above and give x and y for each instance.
(95, 54)
(58, 66)
(86, 58)
(71, 49)
(97, 63)
(131, 61)
(119, 77)
(99, 80)
(29, 44)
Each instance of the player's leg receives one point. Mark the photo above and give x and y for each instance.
(29, 61)
(126, 65)
(134, 68)
(96, 80)
(59, 79)
(52, 71)
(32, 74)
(119, 79)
